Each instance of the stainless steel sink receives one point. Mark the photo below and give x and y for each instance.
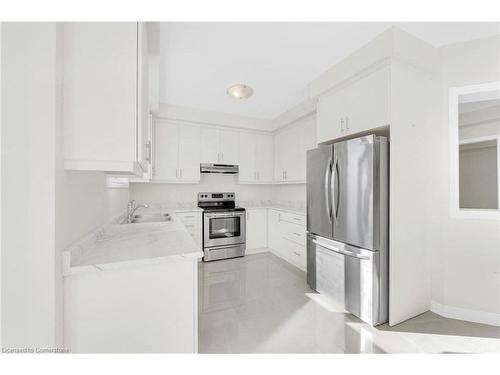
(150, 218)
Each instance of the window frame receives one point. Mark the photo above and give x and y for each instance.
(455, 210)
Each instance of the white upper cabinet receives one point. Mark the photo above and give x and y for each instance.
(247, 148)
(166, 150)
(290, 146)
(189, 153)
(255, 157)
(105, 96)
(264, 157)
(356, 107)
(210, 150)
(229, 146)
(219, 146)
(176, 153)
(178, 150)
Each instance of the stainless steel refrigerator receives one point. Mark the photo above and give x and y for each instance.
(348, 225)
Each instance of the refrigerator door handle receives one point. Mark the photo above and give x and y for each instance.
(343, 252)
(332, 190)
(328, 201)
(337, 180)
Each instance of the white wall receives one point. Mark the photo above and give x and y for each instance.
(465, 252)
(47, 208)
(86, 203)
(28, 184)
(0, 184)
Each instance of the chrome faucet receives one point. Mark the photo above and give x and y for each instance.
(131, 208)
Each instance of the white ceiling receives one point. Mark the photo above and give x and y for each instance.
(200, 60)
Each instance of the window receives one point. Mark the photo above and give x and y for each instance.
(475, 151)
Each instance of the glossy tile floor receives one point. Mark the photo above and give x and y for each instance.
(261, 304)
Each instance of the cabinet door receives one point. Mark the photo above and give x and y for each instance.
(229, 146)
(210, 145)
(143, 99)
(264, 157)
(100, 92)
(246, 146)
(256, 229)
(280, 155)
(367, 102)
(166, 138)
(189, 153)
(330, 113)
(294, 158)
(273, 232)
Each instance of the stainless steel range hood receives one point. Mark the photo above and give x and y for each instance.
(218, 168)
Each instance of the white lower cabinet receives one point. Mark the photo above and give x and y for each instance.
(192, 222)
(256, 228)
(287, 236)
(143, 309)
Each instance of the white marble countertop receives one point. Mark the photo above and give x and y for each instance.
(293, 210)
(117, 245)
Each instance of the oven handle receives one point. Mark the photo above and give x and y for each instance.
(225, 215)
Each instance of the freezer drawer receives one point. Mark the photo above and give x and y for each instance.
(330, 278)
(353, 277)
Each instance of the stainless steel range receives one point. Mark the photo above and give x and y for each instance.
(224, 226)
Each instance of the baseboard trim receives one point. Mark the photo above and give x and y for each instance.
(465, 314)
(257, 251)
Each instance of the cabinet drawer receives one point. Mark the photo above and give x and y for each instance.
(294, 233)
(292, 218)
(296, 254)
(185, 217)
(193, 227)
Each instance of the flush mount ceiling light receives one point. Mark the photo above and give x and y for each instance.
(239, 91)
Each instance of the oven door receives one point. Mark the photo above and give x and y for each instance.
(223, 228)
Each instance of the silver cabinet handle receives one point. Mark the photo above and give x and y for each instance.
(342, 124)
(343, 252)
(347, 123)
(297, 234)
(296, 253)
(153, 137)
(148, 146)
(296, 218)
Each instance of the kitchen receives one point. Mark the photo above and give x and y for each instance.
(221, 211)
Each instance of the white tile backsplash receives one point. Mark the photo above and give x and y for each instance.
(186, 195)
